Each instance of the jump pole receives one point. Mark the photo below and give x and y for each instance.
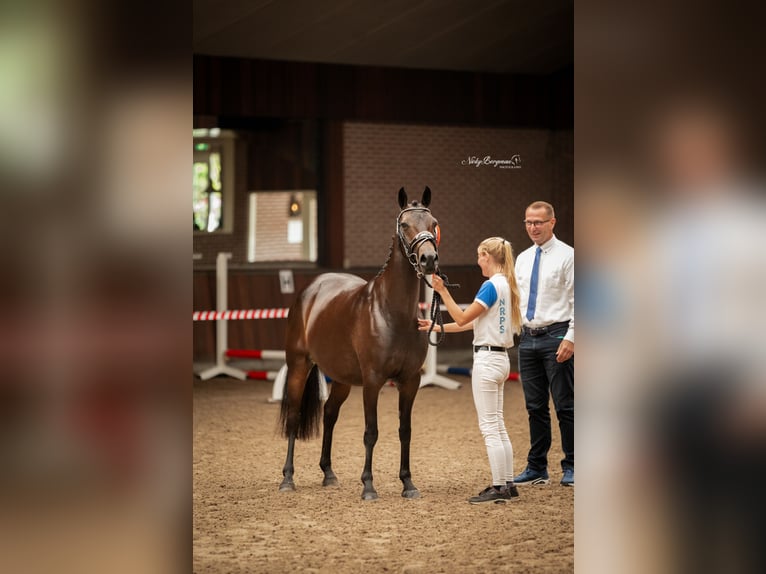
(279, 377)
(430, 376)
(265, 355)
(221, 333)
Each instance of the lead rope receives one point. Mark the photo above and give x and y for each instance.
(436, 312)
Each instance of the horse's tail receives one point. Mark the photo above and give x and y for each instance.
(306, 424)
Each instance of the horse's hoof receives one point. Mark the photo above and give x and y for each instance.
(370, 495)
(287, 486)
(415, 493)
(330, 481)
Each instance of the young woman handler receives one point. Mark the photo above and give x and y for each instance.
(494, 316)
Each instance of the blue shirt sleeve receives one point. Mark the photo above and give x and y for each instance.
(487, 294)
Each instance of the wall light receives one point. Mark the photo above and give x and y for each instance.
(294, 209)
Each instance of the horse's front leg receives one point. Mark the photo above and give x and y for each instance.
(370, 396)
(407, 392)
(338, 394)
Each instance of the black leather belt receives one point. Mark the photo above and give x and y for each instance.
(478, 348)
(542, 330)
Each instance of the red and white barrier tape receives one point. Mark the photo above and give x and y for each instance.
(263, 313)
(241, 314)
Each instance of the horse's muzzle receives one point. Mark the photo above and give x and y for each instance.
(428, 262)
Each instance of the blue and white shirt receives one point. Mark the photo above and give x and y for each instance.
(494, 327)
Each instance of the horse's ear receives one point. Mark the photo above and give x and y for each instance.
(426, 197)
(402, 198)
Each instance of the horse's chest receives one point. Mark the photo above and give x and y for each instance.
(401, 353)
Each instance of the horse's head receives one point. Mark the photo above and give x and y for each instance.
(418, 233)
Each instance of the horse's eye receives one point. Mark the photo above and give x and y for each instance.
(405, 225)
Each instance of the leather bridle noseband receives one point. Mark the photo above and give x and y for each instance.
(410, 249)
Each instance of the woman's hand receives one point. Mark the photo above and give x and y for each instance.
(425, 325)
(438, 284)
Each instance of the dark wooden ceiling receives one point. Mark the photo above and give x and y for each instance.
(501, 36)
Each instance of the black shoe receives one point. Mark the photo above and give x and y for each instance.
(491, 494)
(511, 490)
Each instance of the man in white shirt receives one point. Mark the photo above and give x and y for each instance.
(545, 274)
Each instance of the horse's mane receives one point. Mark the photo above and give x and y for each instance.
(388, 259)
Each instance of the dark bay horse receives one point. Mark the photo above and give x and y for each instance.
(360, 333)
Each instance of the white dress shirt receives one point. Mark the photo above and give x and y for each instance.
(555, 285)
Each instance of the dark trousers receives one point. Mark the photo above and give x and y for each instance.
(542, 377)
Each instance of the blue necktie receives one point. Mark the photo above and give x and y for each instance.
(533, 286)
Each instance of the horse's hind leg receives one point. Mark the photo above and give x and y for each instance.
(297, 373)
(287, 483)
(407, 392)
(338, 394)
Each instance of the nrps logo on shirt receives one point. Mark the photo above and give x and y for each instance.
(502, 314)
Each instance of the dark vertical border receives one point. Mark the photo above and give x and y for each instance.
(331, 208)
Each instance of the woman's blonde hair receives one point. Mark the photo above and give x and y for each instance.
(501, 251)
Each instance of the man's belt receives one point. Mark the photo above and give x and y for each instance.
(536, 332)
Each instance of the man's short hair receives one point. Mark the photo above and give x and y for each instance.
(544, 205)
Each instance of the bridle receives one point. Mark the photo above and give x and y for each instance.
(410, 251)
(411, 248)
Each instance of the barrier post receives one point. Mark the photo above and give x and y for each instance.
(430, 376)
(221, 325)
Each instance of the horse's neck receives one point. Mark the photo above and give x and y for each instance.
(398, 284)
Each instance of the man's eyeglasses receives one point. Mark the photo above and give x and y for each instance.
(535, 223)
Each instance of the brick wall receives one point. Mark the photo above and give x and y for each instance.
(470, 201)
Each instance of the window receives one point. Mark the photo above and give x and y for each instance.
(282, 226)
(212, 180)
